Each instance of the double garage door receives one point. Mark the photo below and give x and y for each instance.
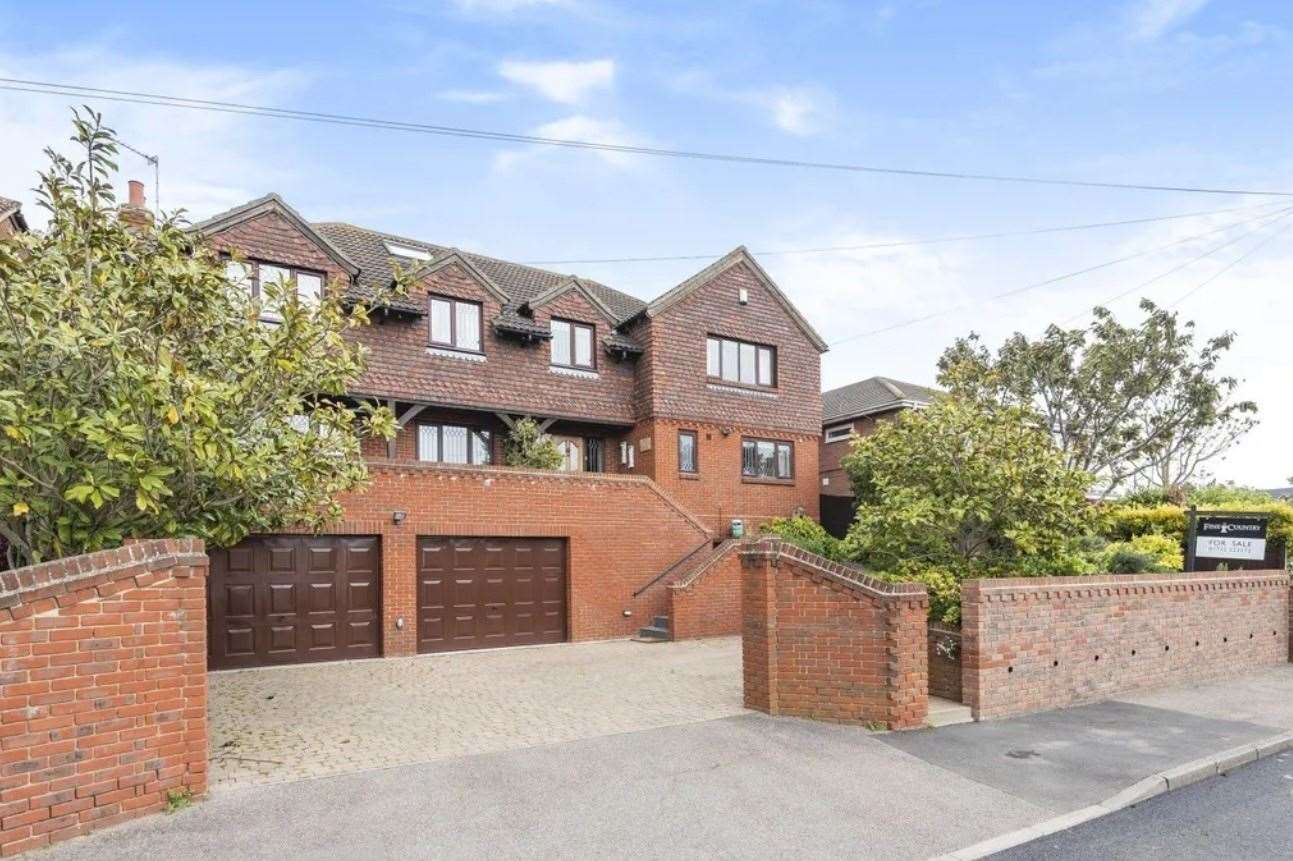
(285, 599)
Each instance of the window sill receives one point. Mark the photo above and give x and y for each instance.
(461, 355)
(779, 482)
(582, 373)
(689, 476)
(736, 389)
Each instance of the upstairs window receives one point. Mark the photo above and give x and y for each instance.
(572, 345)
(253, 276)
(839, 433)
(765, 458)
(453, 444)
(740, 362)
(455, 324)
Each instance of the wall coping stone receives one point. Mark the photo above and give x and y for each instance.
(59, 577)
(774, 549)
(1015, 588)
(716, 555)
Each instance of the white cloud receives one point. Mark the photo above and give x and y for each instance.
(797, 110)
(1150, 19)
(565, 82)
(472, 97)
(209, 161)
(577, 127)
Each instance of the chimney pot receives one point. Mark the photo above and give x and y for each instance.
(136, 193)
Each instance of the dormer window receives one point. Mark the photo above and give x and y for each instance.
(253, 276)
(455, 324)
(572, 345)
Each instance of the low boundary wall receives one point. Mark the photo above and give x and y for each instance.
(1040, 643)
(822, 640)
(707, 601)
(103, 689)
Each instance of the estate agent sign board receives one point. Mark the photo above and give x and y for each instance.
(1225, 537)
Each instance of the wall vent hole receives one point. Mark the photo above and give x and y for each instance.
(1167, 648)
(1010, 669)
(1097, 657)
(1133, 651)
(1196, 642)
(1055, 663)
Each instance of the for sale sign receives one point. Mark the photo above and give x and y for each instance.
(1230, 538)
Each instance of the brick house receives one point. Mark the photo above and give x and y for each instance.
(11, 218)
(675, 416)
(856, 409)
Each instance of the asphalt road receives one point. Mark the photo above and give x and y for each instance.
(1247, 814)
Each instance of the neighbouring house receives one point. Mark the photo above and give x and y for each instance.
(11, 218)
(675, 416)
(1281, 492)
(856, 409)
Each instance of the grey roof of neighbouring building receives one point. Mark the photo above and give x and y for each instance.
(1281, 492)
(872, 395)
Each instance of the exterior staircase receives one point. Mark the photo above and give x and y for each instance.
(656, 632)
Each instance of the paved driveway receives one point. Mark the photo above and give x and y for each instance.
(289, 723)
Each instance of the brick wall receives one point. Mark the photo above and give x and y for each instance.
(706, 602)
(718, 492)
(621, 530)
(272, 238)
(945, 663)
(821, 640)
(835, 479)
(672, 376)
(1039, 643)
(103, 702)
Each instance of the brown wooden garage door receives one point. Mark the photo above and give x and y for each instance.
(288, 599)
(477, 593)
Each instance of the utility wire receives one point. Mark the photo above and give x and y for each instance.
(1178, 267)
(1231, 265)
(157, 171)
(825, 249)
(1055, 280)
(50, 88)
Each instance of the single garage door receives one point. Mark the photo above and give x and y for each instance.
(477, 593)
(288, 599)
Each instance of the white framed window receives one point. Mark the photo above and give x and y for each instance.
(253, 276)
(572, 345)
(839, 433)
(453, 444)
(454, 324)
(626, 454)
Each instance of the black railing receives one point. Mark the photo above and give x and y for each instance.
(709, 542)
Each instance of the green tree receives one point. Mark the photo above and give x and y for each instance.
(530, 447)
(141, 394)
(966, 488)
(1121, 401)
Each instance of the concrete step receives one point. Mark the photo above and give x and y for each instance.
(948, 712)
(653, 632)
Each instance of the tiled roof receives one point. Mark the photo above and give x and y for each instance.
(871, 395)
(510, 319)
(12, 209)
(521, 283)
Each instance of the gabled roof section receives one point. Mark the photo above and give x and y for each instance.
(273, 203)
(872, 395)
(455, 257)
(735, 257)
(578, 285)
(522, 283)
(12, 209)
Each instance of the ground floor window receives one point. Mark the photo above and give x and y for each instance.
(454, 444)
(687, 452)
(594, 455)
(765, 458)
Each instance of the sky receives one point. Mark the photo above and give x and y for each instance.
(1161, 92)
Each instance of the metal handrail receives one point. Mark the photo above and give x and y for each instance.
(708, 542)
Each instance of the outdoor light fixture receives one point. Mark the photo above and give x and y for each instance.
(628, 613)
(397, 517)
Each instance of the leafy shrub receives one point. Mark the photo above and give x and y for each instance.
(1122, 559)
(805, 533)
(1123, 523)
(527, 446)
(1143, 554)
(1221, 495)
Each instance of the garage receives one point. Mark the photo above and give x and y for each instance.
(290, 599)
(481, 593)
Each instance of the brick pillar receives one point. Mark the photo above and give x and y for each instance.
(971, 647)
(759, 632)
(907, 659)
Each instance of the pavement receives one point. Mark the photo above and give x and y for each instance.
(738, 785)
(288, 723)
(1247, 813)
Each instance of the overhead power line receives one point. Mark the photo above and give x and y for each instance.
(1049, 281)
(1178, 267)
(1231, 265)
(137, 97)
(903, 243)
